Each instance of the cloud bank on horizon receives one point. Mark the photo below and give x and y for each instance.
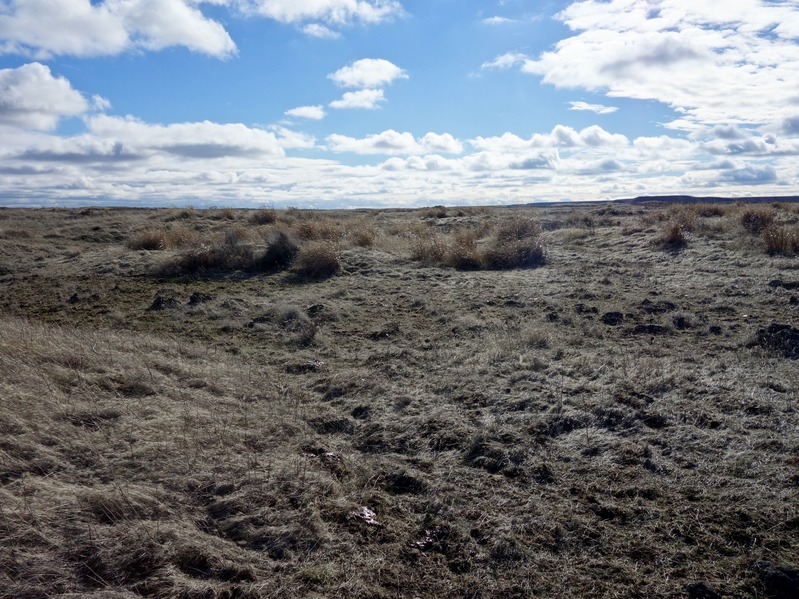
(347, 103)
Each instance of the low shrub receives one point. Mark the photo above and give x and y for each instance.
(462, 254)
(756, 219)
(517, 243)
(264, 216)
(216, 257)
(280, 253)
(317, 260)
(528, 253)
(674, 237)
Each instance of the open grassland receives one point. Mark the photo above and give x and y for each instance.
(591, 401)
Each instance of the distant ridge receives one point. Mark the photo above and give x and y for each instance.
(686, 199)
(671, 199)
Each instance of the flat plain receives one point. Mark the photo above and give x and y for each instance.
(563, 401)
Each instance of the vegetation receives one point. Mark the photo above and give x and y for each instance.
(445, 402)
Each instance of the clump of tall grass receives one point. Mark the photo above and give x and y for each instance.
(317, 260)
(163, 239)
(781, 240)
(674, 237)
(263, 216)
(323, 229)
(517, 243)
(755, 219)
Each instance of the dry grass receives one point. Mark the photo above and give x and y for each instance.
(164, 239)
(318, 229)
(755, 219)
(781, 240)
(609, 423)
(317, 260)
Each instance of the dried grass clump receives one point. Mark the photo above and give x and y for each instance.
(163, 239)
(435, 212)
(429, 247)
(517, 243)
(216, 257)
(362, 233)
(318, 230)
(280, 253)
(684, 215)
(317, 260)
(710, 210)
(264, 216)
(462, 254)
(781, 240)
(674, 237)
(756, 219)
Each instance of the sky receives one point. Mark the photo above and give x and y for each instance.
(395, 103)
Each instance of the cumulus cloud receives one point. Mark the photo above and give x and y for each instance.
(394, 142)
(30, 96)
(368, 73)
(319, 31)
(751, 175)
(366, 99)
(336, 12)
(314, 113)
(596, 108)
(204, 140)
(714, 64)
(85, 28)
(561, 136)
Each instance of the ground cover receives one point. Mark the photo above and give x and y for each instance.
(566, 401)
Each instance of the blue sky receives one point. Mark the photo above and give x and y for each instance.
(350, 103)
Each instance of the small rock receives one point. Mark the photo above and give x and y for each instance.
(780, 337)
(702, 590)
(613, 318)
(198, 298)
(162, 303)
(780, 581)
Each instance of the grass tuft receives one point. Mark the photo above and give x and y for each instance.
(317, 260)
(755, 219)
(781, 240)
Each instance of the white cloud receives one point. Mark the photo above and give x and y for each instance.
(30, 96)
(498, 21)
(506, 61)
(84, 28)
(336, 12)
(289, 139)
(368, 73)
(100, 104)
(597, 108)
(201, 140)
(731, 63)
(314, 113)
(319, 31)
(366, 99)
(394, 142)
(444, 143)
(561, 136)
